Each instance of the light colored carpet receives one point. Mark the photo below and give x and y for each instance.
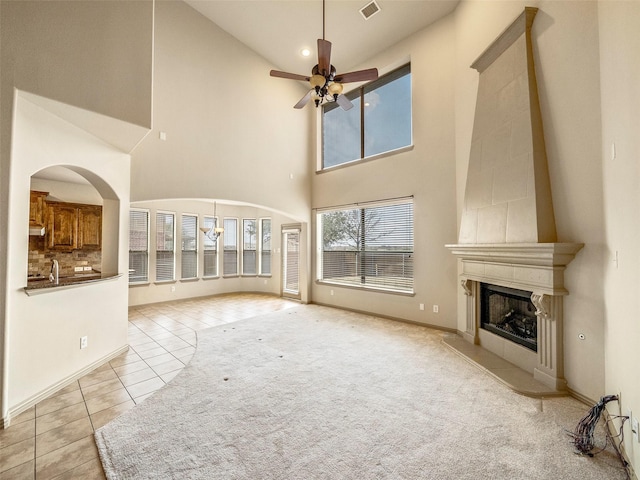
(318, 393)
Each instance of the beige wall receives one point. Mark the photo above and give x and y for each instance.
(565, 45)
(620, 79)
(152, 292)
(230, 131)
(62, 53)
(76, 48)
(427, 172)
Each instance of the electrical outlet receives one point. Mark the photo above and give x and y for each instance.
(422, 306)
(331, 292)
(83, 342)
(173, 288)
(88, 268)
(78, 269)
(436, 309)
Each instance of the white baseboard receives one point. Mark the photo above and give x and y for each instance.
(30, 402)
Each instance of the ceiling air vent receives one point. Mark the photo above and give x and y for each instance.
(369, 10)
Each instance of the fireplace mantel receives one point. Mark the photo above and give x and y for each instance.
(537, 267)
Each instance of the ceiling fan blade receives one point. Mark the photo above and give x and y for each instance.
(304, 100)
(344, 102)
(324, 56)
(359, 76)
(291, 76)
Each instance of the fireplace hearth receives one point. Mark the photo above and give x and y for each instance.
(509, 313)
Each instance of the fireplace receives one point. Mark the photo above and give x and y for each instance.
(509, 313)
(511, 260)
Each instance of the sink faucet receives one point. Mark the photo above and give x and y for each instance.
(54, 275)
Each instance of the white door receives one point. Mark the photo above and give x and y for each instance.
(291, 262)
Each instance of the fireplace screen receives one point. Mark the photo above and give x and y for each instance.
(509, 313)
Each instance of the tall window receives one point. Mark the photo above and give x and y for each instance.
(368, 246)
(249, 247)
(379, 122)
(165, 245)
(265, 246)
(138, 246)
(189, 240)
(210, 249)
(230, 241)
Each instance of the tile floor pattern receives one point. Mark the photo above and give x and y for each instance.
(54, 439)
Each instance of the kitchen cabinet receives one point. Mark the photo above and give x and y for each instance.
(72, 226)
(89, 227)
(37, 208)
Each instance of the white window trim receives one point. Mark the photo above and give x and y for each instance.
(155, 220)
(148, 212)
(197, 217)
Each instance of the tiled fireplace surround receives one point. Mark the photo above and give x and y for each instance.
(507, 233)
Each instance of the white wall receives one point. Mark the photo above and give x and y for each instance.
(565, 46)
(427, 172)
(152, 292)
(620, 79)
(42, 332)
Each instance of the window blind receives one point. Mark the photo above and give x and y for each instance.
(210, 249)
(165, 245)
(189, 241)
(265, 246)
(249, 247)
(138, 246)
(368, 246)
(230, 242)
(292, 262)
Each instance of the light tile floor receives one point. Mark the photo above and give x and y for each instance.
(54, 439)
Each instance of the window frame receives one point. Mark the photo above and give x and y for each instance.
(360, 92)
(261, 262)
(173, 278)
(394, 287)
(193, 253)
(147, 213)
(215, 249)
(225, 235)
(254, 264)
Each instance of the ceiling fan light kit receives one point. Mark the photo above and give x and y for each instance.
(325, 84)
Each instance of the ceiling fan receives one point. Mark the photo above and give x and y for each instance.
(326, 84)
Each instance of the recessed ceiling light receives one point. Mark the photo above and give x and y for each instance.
(305, 52)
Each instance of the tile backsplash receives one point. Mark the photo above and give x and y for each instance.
(40, 259)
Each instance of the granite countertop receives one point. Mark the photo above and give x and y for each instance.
(39, 283)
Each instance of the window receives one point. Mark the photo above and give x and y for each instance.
(210, 249)
(249, 247)
(189, 239)
(368, 246)
(165, 244)
(138, 246)
(265, 246)
(230, 252)
(379, 122)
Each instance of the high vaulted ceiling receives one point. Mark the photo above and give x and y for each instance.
(279, 29)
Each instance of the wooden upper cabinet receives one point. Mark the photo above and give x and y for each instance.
(62, 226)
(90, 227)
(37, 208)
(72, 226)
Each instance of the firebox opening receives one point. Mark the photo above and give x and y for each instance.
(509, 313)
